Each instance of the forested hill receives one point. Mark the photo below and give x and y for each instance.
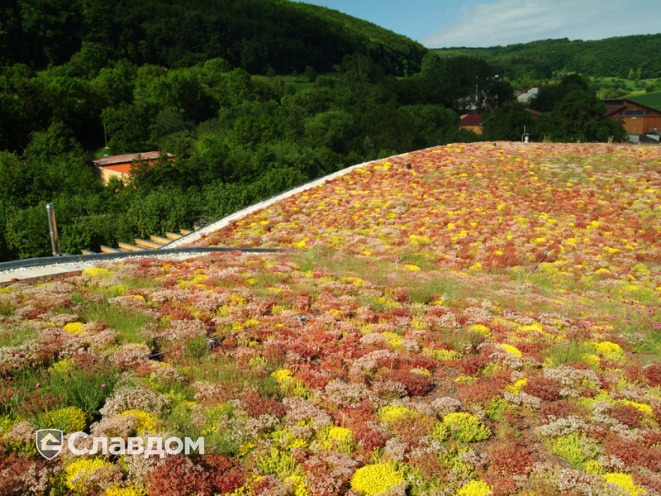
(543, 59)
(252, 34)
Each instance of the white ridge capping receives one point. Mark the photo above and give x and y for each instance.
(225, 221)
(56, 268)
(48, 270)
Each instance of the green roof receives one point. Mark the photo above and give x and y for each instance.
(651, 100)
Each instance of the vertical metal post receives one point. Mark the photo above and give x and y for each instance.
(105, 140)
(52, 227)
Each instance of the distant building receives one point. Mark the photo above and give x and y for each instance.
(472, 122)
(638, 119)
(526, 96)
(119, 166)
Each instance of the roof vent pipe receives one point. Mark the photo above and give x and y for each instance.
(52, 227)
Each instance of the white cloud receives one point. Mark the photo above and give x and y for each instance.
(506, 22)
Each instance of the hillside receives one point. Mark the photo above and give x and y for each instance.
(546, 58)
(252, 34)
(652, 100)
(136, 77)
(486, 321)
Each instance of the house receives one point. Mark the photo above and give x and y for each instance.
(472, 122)
(637, 118)
(527, 95)
(119, 166)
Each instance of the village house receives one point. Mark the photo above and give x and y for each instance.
(472, 122)
(527, 95)
(638, 119)
(119, 166)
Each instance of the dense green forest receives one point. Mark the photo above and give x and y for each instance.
(545, 59)
(252, 34)
(183, 77)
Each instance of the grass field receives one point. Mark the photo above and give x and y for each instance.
(299, 83)
(652, 100)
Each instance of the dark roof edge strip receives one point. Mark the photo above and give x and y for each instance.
(45, 261)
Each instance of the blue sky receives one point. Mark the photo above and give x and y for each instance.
(480, 23)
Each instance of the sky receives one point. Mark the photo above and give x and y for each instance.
(483, 23)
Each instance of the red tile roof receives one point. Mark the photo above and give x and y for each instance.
(471, 120)
(127, 159)
(123, 168)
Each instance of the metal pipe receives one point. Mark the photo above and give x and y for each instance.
(52, 227)
(105, 136)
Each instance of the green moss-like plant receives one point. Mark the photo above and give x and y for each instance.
(467, 428)
(279, 463)
(70, 419)
(576, 449)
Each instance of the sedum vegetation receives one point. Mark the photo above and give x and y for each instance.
(485, 322)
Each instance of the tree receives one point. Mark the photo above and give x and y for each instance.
(359, 69)
(14, 124)
(5, 211)
(167, 121)
(335, 129)
(459, 82)
(214, 70)
(149, 88)
(310, 74)
(91, 58)
(114, 85)
(209, 161)
(52, 29)
(127, 127)
(74, 102)
(15, 181)
(12, 41)
(550, 95)
(580, 116)
(427, 125)
(26, 232)
(498, 92)
(54, 163)
(508, 122)
(235, 88)
(468, 80)
(52, 142)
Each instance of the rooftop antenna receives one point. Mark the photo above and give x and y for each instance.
(105, 139)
